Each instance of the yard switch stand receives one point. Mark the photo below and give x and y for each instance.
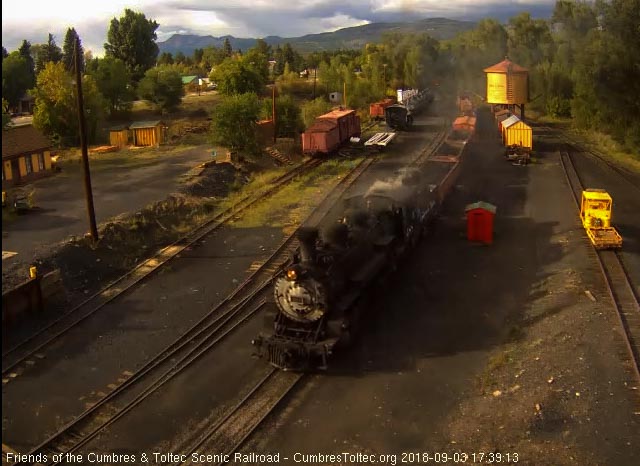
(83, 144)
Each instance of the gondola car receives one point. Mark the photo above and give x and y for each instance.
(319, 298)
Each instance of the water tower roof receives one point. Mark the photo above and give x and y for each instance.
(506, 66)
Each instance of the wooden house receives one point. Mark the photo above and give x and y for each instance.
(148, 133)
(26, 155)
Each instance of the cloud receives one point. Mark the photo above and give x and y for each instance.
(240, 18)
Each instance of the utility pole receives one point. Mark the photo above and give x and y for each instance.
(83, 145)
(384, 78)
(273, 111)
(315, 75)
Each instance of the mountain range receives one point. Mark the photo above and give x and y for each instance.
(348, 38)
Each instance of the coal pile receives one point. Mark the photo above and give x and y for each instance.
(216, 180)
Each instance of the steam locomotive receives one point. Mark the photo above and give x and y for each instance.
(320, 295)
(400, 116)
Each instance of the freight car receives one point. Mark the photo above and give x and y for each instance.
(376, 109)
(330, 131)
(320, 295)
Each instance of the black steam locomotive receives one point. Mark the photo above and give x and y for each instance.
(320, 295)
(400, 116)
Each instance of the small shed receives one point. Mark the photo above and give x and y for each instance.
(119, 136)
(516, 132)
(480, 217)
(26, 155)
(148, 133)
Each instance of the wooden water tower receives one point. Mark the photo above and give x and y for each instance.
(508, 85)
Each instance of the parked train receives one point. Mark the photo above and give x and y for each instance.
(330, 131)
(319, 298)
(400, 116)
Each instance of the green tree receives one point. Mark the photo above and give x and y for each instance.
(237, 77)
(56, 108)
(530, 41)
(6, 118)
(114, 82)
(162, 86)
(288, 116)
(4, 53)
(233, 122)
(132, 39)
(313, 109)
(25, 52)
(49, 52)
(16, 78)
(226, 48)
(165, 59)
(68, 50)
(212, 56)
(197, 56)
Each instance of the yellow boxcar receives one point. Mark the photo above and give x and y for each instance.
(517, 133)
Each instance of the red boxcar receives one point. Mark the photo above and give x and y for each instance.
(376, 109)
(322, 136)
(344, 123)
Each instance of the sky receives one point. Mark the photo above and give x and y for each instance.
(34, 19)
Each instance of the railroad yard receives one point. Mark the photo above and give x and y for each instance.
(509, 353)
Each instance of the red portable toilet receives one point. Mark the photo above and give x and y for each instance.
(480, 221)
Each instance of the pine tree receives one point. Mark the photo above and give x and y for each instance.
(25, 52)
(68, 50)
(226, 47)
(49, 52)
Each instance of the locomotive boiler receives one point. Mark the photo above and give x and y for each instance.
(320, 296)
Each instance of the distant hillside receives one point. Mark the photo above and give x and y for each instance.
(347, 38)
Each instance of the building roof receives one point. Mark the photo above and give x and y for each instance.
(119, 127)
(24, 139)
(189, 79)
(506, 66)
(512, 120)
(481, 205)
(145, 124)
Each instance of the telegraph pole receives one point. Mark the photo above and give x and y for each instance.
(273, 111)
(93, 229)
(315, 75)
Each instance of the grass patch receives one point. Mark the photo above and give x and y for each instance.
(126, 158)
(605, 145)
(292, 204)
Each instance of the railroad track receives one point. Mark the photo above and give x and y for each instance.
(244, 303)
(617, 280)
(229, 434)
(435, 143)
(24, 355)
(574, 146)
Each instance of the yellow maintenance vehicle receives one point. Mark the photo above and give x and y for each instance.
(595, 212)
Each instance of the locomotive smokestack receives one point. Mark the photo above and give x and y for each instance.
(307, 237)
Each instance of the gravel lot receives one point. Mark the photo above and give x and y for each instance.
(477, 349)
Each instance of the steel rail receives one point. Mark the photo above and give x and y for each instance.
(229, 434)
(144, 270)
(616, 279)
(70, 438)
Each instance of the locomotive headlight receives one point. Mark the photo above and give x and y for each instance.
(292, 274)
